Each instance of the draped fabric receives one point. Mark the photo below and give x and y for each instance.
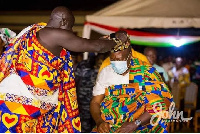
(46, 101)
(145, 92)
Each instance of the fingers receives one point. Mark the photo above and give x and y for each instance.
(121, 131)
(103, 128)
(124, 130)
(122, 35)
(100, 130)
(104, 37)
(107, 127)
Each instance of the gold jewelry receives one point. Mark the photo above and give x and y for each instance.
(120, 46)
(130, 59)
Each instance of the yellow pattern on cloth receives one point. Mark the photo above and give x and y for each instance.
(44, 75)
(126, 102)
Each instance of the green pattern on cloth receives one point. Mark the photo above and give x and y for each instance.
(126, 102)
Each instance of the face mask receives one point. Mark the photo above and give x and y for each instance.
(119, 66)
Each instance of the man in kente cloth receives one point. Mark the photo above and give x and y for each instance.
(129, 95)
(37, 87)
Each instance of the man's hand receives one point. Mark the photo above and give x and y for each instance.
(122, 35)
(127, 127)
(103, 127)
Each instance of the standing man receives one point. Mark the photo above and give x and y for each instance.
(151, 55)
(37, 87)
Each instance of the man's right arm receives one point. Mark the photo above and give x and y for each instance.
(70, 41)
(95, 108)
(102, 126)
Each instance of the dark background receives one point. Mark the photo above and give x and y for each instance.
(189, 51)
(81, 5)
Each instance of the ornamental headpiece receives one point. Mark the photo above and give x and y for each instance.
(120, 45)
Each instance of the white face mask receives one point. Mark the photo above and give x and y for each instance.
(119, 66)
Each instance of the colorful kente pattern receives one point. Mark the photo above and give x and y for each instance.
(126, 102)
(44, 75)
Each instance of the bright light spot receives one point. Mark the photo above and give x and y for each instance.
(177, 42)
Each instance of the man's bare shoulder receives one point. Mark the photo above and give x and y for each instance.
(55, 31)
(55, 34)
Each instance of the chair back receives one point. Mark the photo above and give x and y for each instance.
(191, 94)
(176, 94)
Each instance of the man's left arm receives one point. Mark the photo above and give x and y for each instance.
(129, 127)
